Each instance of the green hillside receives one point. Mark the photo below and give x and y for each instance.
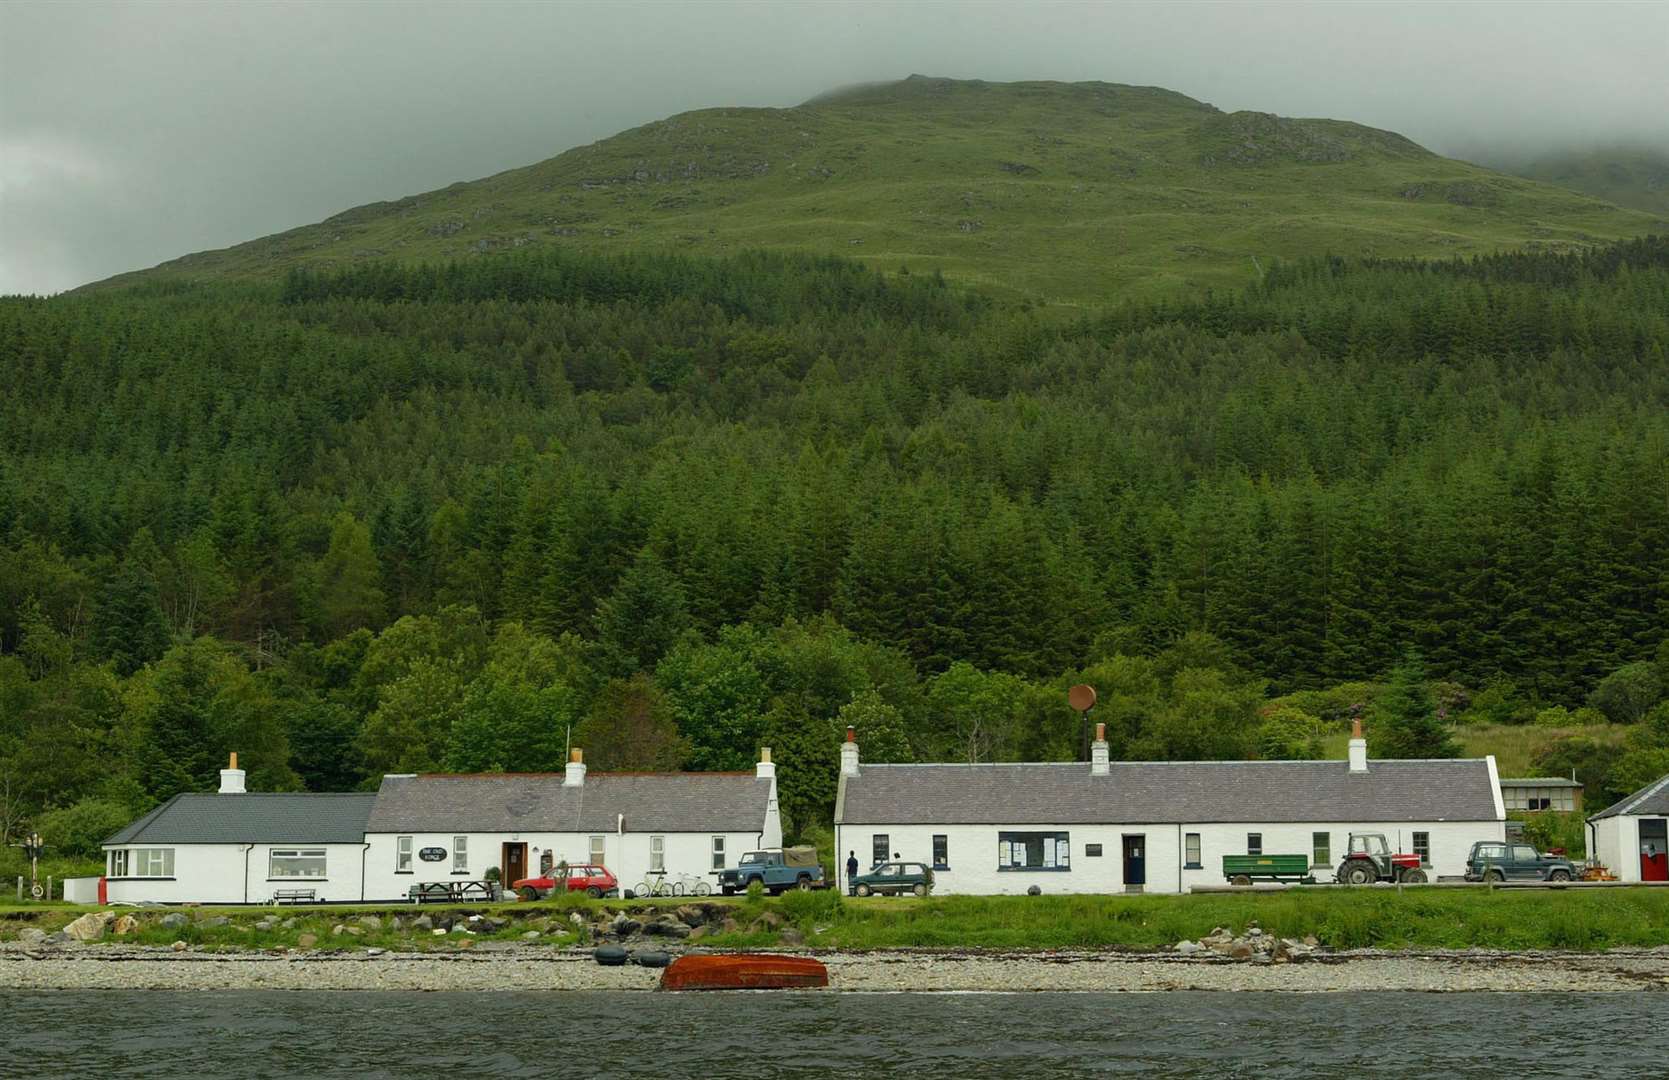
(1634, 176)
(1075, 193)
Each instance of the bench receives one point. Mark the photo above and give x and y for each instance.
(294, 896)
(446, 892)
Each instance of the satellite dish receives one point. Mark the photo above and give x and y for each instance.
(1081, 697)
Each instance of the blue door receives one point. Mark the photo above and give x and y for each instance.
(1135, 861)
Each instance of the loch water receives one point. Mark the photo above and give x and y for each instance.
(112, 1034)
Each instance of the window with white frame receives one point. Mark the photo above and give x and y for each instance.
(597, 851)
(1254, 843)
(402, 855)
(296, 863)
(718, 853)
(118, 863)
(1034, 851)
(1191, 850)
(1321, 849)
(460, 854)
(1422, 847)
(149, 862)
(657, 853)
(880, 847)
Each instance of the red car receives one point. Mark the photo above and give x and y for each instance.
(591, 880)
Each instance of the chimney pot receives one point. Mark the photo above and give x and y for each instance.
(576, 755)
(849, 753)
(765, 754)
(1356, 729)
(234, 762)
(1100, 732)
(765, 770)
(851, 734)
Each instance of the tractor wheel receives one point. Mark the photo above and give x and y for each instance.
(1559, 875)
(1240, 879)
(863, 889)
(528, 892)
(1360, 873)
(1414, 877)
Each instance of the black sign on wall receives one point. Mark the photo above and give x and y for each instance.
(432, 854)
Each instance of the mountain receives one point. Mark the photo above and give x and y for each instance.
(1633, 176)
(1076, 193)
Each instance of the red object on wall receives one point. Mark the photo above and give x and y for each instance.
(1654, 867)
(104, 891)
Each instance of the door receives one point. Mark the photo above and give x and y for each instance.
(1135, 863)
(1521, 861)
(513, 866)
(1654, 849)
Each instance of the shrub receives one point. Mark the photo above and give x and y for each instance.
(809, 906)
(81, 829)
(1558, 716)
(1625, 694)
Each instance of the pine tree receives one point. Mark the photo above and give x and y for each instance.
(1404, 721)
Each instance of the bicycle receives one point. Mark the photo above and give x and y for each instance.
(691, 885)
(660, 888)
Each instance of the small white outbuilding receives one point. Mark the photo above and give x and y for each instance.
(1631, 837)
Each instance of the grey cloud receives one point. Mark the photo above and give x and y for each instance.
(132, 133)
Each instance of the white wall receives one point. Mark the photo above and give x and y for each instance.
(236, 874)
(1617, 845)
(626, 855)
(973, 852)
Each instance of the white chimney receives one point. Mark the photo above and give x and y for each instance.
(1358, 748)
(231, 777)
(849, 753)
(766, 769)
(1098, 752)
(576, 769)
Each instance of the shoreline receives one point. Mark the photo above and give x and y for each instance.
(528, 968)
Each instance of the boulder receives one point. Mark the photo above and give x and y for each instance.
(667, 928)
(1241, 950)
(31, 935)
(173, 921)
(699, 932)
(729, 926)
(218, 920)
(791, 936)
(397, 923)
(289, 924)
(375, 952)
(626, 927)
(531, 935)
(1310, 940)
(58, 937)
(423, 922)
(770, 920)
(125, 925)
(576, 918)
(691, 916)
(179, 946)
(1189, 948)
(307, 941)
(89, 927)
(370, 922)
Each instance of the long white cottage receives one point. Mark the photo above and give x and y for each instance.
(437, 828)
(1107, 827)
(1631, 837)
(237, 847)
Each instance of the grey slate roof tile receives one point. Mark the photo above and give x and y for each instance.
(255, 818)
(1651, 800)
(510, 802)
(1186, 792)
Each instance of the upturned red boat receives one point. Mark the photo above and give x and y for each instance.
(745, 971)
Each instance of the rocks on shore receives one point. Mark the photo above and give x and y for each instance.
(1254, 944)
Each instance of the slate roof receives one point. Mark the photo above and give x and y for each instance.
(257, 818)
(512, 802)
(1183, 792)
(1651, 800)
(1540, 781)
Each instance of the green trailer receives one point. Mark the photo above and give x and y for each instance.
(1245, 869)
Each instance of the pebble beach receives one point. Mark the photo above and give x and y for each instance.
(521, 968)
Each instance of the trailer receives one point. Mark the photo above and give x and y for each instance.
(1245, 869)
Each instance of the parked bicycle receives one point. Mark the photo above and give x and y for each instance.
(691, 885)
(660, 886)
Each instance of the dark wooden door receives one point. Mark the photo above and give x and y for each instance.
(1135, 860)
(515, 863)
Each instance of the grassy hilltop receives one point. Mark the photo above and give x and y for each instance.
(1074, 193)
(1633, 176)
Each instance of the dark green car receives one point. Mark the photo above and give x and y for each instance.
(895, 878)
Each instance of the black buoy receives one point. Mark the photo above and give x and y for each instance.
(609, 955)
(651, 959)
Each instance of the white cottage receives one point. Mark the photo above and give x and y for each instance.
(676, 827)
(1103, 826)
(233, 847)
(1632, 836)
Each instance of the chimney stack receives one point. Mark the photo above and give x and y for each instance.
(766, 769)
(849, 753)
(1358, 748)
(576, 769)
(1098, 752)
(231, 777)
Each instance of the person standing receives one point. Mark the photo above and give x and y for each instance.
(851, 872)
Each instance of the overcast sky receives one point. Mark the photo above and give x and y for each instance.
(132, 133)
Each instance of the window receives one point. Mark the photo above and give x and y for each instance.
(296, 862)
(1422, 847)
(145, 862)
(460, 854)
(597, 851)
(879, 846)
(1321, 849)
(118, 863)
(1092, 851)
(1254, 843)
(1191, 850)
(1523, 853)
(1540, 802)
(1034, 851)
(941, 852)
(402, 855)
(657, 853)
(718, 853)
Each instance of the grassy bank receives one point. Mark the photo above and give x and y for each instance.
(1338, 919)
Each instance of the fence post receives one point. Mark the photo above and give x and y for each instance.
(20, 888)
(49, 888)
